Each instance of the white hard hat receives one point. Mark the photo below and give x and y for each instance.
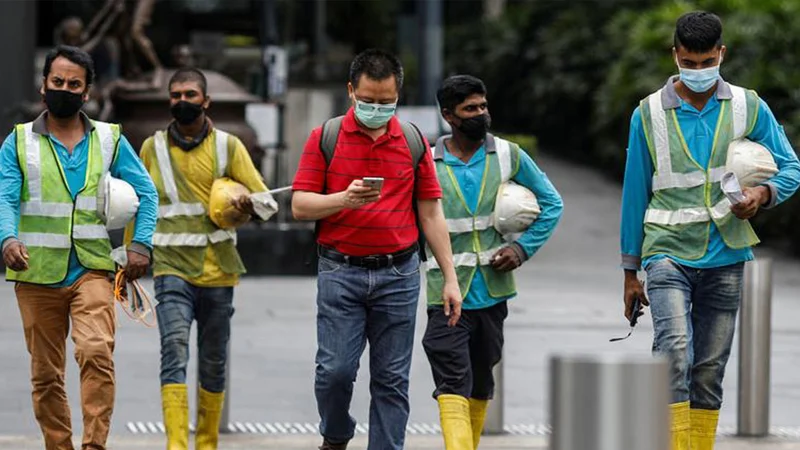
(752, 163)
(515, 208)
(117, 202)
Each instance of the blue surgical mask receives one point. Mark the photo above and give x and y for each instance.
(700, 80)
(374, 115)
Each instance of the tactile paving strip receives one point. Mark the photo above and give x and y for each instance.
(289, 428)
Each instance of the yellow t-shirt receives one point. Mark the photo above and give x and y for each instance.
(197, 167)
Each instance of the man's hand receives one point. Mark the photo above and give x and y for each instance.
(15, 256)
(753, 199)
(505, 260)
(244, 205)
(137, 265)
(633, 290)
(358, 195)
(451, 297)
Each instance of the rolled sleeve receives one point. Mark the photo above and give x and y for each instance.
(10, 188)
(769, 133)
(128, 167)
(426, 184)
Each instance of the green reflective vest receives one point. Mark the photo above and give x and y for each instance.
(184, 230)
(473, 237)
(50, 222)
(687, 197)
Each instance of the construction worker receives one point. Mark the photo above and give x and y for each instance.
(56, 247)
(196, 264)
(471, 166)
(678, 224)
(369, 180)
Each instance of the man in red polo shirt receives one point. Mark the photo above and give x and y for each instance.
(368, 283)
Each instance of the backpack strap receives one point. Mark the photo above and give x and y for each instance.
(418, 148)
(330, 134)
(415, 142)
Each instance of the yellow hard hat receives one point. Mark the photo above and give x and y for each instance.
(220, 204)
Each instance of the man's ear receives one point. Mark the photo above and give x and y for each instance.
(44, 83)
(722, 51)
(85, 95)
(350, 89)
(207, 102)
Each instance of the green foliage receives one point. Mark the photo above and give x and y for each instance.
(526, 141)
(572, 72)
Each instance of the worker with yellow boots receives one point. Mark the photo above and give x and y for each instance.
(204, 178)
(685, 217)
(500, 209)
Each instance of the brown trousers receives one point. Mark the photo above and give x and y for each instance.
(46, 314)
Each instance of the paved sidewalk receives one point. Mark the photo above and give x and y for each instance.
(413, 443)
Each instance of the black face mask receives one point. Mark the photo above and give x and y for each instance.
(475, 128)
(62, 104)
(185, 112)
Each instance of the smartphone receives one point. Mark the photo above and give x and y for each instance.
(373, 182)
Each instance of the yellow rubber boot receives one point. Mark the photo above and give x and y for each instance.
(679, 415)
(704, 428)
(175, 407)
(209, 410)
(477, 416)
(454, 415)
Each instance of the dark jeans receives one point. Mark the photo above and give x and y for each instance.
(462, 357)
(355, 306)
(179, 303)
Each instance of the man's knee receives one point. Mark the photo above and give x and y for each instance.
(98, 353)
(336, 373)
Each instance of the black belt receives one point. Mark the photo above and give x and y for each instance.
(371, 261)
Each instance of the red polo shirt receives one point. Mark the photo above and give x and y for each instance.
(388, 225)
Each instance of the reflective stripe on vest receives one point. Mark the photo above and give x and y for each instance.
(685, 196)
(52, 223)
(665, 178)
(176, 207)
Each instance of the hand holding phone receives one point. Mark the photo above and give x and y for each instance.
(373, 182)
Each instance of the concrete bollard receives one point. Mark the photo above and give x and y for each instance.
(755, 330)
(494, 413)
(609, 402)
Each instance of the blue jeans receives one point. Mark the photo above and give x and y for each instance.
(179, 303)
(355, 306)
(694, 318)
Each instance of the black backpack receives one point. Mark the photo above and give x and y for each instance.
(327, 144)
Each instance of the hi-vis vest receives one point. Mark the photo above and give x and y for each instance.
(473, 237)
(184, 229)
(50, 222)
(687, 197)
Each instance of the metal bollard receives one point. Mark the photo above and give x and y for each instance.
(494, 413)
(755, 329)
(224, 421)
(612, 402)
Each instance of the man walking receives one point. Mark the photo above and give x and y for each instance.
(56, 247)
(196, 263)
(369, 180)
(472, 165)
(678, 224)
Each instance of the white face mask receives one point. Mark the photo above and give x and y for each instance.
(699, 80)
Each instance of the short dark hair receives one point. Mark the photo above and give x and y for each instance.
(73, 54)
(377, 65)
(456, 89)
(698, 31)
(185, 74)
